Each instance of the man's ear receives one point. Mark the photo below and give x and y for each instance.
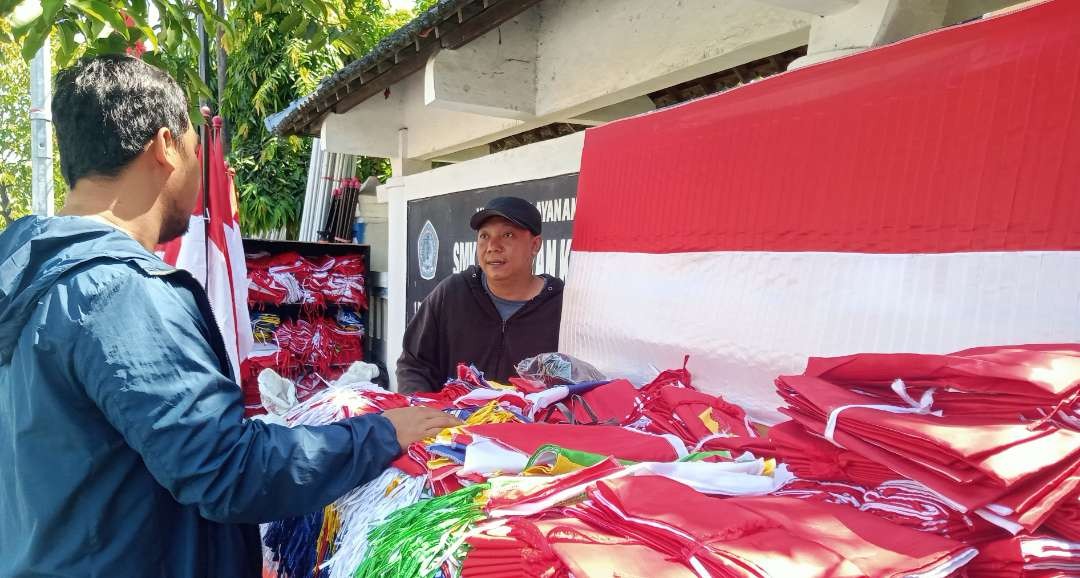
(165, 148)
(537, 241)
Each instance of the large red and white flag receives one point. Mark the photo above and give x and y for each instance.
(212, 251)
(919, 197)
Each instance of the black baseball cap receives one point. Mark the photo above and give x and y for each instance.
(516, 210)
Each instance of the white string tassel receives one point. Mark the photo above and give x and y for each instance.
(921, 407)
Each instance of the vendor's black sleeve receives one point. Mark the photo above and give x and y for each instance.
(419, 368)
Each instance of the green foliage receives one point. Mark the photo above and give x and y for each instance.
(422, 5)
(276, 55)
(115, 26)
(278, 51)
(373, 167)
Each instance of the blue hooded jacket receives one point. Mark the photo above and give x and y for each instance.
(123, 447)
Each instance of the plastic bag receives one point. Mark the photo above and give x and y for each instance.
(359, 373)
(558, 369)
(277, 393)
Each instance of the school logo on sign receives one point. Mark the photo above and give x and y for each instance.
(427, 251)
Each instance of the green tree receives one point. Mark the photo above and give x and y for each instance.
(272, 63)
(114, 26)
(15, 137)
(278, 51)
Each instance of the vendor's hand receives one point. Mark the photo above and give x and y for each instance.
(414, 424)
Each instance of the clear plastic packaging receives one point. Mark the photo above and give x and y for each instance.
(558, 369)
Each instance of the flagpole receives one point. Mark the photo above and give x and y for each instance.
(41, 161)
(204, 75)
(226, 142)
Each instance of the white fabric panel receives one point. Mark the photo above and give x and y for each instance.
(245, 341)
(219, 290)
(721, 478)
(486, 456)
(192, 254)
(746, 317)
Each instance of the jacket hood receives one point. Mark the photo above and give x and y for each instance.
(36, 252)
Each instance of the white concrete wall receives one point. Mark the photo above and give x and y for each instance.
(371, 129)
(840, 31)
(376, 231)
(367, 130)
(586, 55)
(537, 161)
(493, 75)
(595, 53)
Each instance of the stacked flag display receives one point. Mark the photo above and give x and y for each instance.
(868, 478)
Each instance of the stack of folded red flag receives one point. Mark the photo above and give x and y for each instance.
(1013, 468)
(286, 278)
(657, 527)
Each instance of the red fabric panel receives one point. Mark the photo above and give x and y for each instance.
(772, 534)
(970, 459)
(1035, 370)
(1066, 519)
(502, 496)
(815, 458)
(965, 139)
(614, 401)
(605, 440)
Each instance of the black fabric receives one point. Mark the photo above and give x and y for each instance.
(458, 323)
(514, 209)
(505, 307)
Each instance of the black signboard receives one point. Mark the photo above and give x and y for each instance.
(441, 242)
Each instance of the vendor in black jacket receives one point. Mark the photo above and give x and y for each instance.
(491, 316)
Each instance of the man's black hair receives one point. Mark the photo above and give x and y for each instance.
(107, 108)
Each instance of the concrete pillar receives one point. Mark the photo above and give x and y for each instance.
(394, 193)
(400, 164)
(493, 75)
(870, 23)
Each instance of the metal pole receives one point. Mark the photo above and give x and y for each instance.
(204, 76)
(204, 72)
(226, 142)
(41, 145)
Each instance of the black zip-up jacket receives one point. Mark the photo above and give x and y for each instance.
(458, 323)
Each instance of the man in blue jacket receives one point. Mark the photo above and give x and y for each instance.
(123, 448)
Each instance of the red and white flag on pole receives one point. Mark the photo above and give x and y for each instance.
(189, 251)
(212, 251)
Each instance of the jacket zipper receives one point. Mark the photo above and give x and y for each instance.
(502, 337)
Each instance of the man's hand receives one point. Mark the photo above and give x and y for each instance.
(414, 424)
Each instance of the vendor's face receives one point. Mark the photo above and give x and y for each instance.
(505, 251)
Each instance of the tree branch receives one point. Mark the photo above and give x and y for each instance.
(5, 206)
